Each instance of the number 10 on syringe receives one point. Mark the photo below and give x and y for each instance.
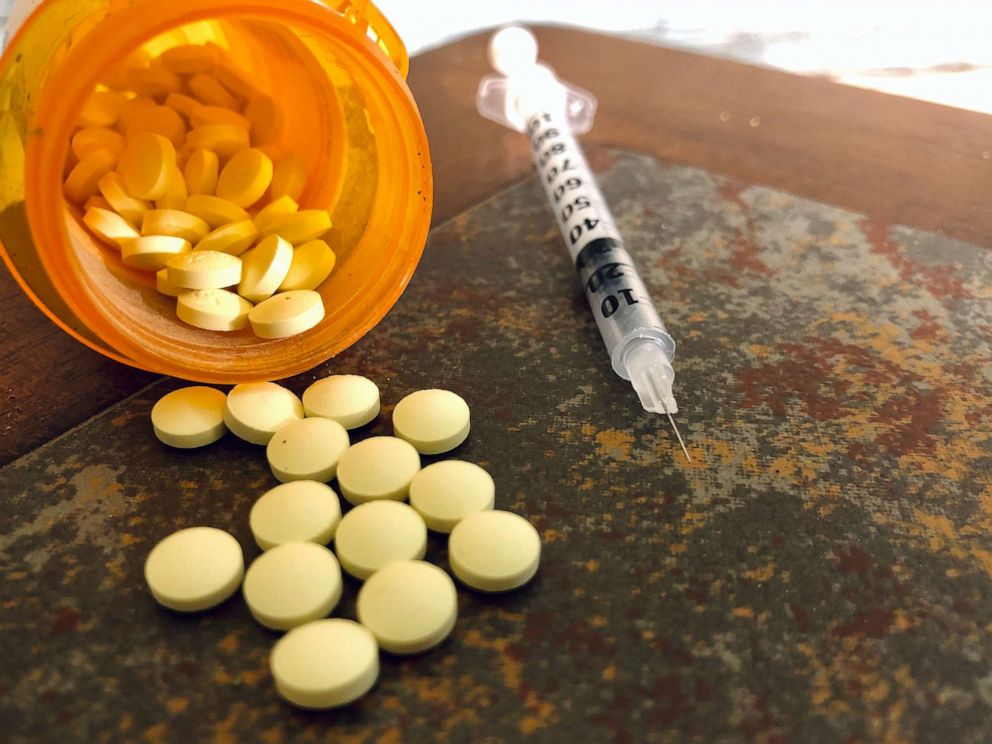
(530, 99)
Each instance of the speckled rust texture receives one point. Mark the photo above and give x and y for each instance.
(821, 572)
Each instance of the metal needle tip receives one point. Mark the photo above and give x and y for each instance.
(679, 436)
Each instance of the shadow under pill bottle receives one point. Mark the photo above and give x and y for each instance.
(336, 72)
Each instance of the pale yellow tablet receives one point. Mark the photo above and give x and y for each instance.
(202, 115)
(152, 82)
(151, 253)
(325, 664)
(307, 449)
(410, 606)
(300, 227)
(312, 264)
(146, 165)
(448, 491)
(265, 268)
(287, 314)
(223, 139)
(85, 176)
(210, 91)
(189, 59)
(433, 421)
(146, 116)
(494, 551)
(292, 584)
(245, 178)
(275, 210)
(374, 534)
(204, 270)
(194, 569)
(133, 210)
(102, 109)
(377, 468)
(299, 511)
(190, 417)
(109, 226)
(256, 410)
(175, 195)
(201, 173)
(213, 309)
(87, 141)
(176, 223)
(164, 286)
(351, 400)
(234, 238)
(215, 211)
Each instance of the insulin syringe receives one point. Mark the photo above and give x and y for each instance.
(529, 98)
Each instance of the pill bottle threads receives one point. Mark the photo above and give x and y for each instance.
(356, 126)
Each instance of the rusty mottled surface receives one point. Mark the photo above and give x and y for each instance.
(821, 572)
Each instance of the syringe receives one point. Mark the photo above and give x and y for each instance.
(529, 98)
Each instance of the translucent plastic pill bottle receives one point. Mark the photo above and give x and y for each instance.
(337, 73)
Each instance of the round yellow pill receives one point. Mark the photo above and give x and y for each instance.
(109, 226)
(289, 177)
(274, 210)
(448, 491)
(433, 421)
(303, 226)
(325, 664)
(209, 89)
(351, 400)
(204, 270)
(183, 104)
(494, 551)
(292, 584)
(374, 534)
(195, 569)
(312, 264)
(213, 310)
(202, 115)
(234, 238)
(144, 116)
(377, 468)
(146, 165)
(87, 141)
(97, 202)
(113, 190)
(153, 252)
(245, 178)
(235, 81)
(265, 268)
(102, 109)
(201, 172)
(298, 511)
(189, 59)
(175, 195)
(176, 223)
(83, 180)
(215, 211)
(287, 314)
(190, 417)
(307, 449)
(164, 286)
(256, 410)
(223, 139)
(152, 82)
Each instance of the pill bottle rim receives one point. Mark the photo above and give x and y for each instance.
(89, 61)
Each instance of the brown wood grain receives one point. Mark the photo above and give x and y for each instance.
(897, 159)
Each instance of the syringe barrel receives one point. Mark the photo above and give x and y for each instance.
(619, 301)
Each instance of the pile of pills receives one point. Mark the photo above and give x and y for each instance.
(406, 605)
(174, 164)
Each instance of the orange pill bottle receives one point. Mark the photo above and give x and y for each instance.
(336, 70)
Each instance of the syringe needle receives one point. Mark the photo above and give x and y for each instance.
(676, 430)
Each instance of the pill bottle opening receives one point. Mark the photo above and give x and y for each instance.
(345, 113)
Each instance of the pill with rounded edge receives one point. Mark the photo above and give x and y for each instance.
(312, 263)
(289, 177)
(265, 268)
(256, 410)
(377, 468)
(102, 109)
(374, 534)
(164, 286)
(146, 165)
(143, 116)
(86, 141)
(109, 226)
(223, 139)
(152, 82)
(175, 194)
(298, 511)
(287, 314)
(204, 270)
(190, 417)
(494, 551)
(275, 210)
(215, 211)
(84, 177)
(245, 178)
(211, 91)
(113, 190)
(201, 172)
(300, 227)
(189, 59)
(351, 400)
(151, 253)
(194, 569)
(234, 238)
(307, 449)
(265, 119)
(176, 223)
(292, 584)
(433, 421)
(213, 310)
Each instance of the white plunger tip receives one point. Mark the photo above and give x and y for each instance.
(512, 49)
